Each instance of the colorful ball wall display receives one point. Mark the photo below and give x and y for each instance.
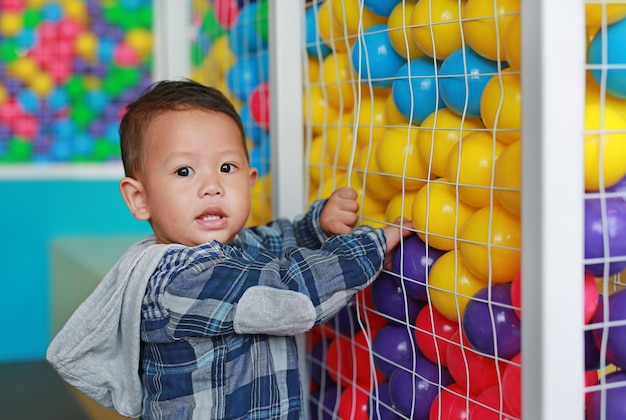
(70, 63)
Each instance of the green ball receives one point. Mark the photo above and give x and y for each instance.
(261, 20)
(113, 14)
(8, 51)
(104, 150)
(211, 27)
(76, 87)
(31, 17)
(19, 150)
(144, 17)
(82, 115)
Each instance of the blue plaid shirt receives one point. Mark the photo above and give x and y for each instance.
(218, 320)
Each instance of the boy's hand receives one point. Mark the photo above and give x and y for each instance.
(340, 212)
(393, 234)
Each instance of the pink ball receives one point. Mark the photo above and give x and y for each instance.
(26, 127)
(226, 12)
(125, 56)
(260, 105)
(12, 5)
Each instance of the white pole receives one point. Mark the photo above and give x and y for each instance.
(171, 39)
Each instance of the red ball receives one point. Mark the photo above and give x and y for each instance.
(490, 406)
(260, 105)
(433, 334)
(226, 12)
(512, 385)
(450, 404)
(353, 404)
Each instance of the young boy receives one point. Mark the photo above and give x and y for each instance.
(197, 321)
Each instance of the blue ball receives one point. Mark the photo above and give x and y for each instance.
(315, 46)
(463, 77)
(374, 59)
(615, 56)
(415, 92)
(244, 38)
(243, 77)
(381, 7)
(255, 133)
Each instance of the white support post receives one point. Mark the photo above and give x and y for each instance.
(286, 121)
(553, 80)
(171, 39)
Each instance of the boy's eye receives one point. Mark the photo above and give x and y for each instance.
(186, 171)
(227, 167)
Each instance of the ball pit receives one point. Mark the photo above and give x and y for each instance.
(70, 63)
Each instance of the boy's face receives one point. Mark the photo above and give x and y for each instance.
(197, 183)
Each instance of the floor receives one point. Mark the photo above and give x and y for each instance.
(34, 391)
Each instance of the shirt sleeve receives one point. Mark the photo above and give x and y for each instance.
(213, 290)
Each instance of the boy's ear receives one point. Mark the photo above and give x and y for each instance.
(135, 198)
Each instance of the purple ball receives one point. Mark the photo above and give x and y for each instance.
(478, 322)
(392, 345)
(611, 227)
(618, 189)
(613, 401)
(380, 406)
(616, 340)
(346, 321)
(390, 300)
(414, 263)
(316, 361)
(412, 393)
(323, 403)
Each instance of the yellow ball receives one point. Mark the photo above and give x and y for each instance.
(485, 24)
(369, 118)
(42, 84)
(341, 148)
(400, 205)
(508, 178)
(513, 43)
(331, 34)
(400, 36)
(490, 243)
(370, 176)
(436, 26)
(471, 164)
(86, 44)
(614, 10)
(593, 94)
(4, 94)
(261, 201)
(10, 23)
(352, 18)
(221, 55)
(312, 71)
(438, 215)
(76, 9)
(438, 134)
(23, 68)
(392, 115)
(317, 112)
(610, 146)
(501, 106)
(140, 40)
(336, 72)
(319, 163)
(451, 285)
(397, 156)
(374, 220)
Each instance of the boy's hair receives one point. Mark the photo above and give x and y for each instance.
(160, 98)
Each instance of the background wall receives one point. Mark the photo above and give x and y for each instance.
(32, 214)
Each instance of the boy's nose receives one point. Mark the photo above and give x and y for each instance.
(211, 186)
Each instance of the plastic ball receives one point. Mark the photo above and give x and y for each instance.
(381, 7)
(259, 101)
(412, 261)
(400, 205)
(415, 91)
(470, 165)
(243, 38)
(397, 157)
(516, 293)
(323, 403)
(464, 75)
(451, 285)
(261, 20)
(393, 116)
(472, 371)
(450, 404)
(439, 133)
(317, 113)
(226, 12)
(400, 36)
(380, 405)
(374, 59)
(221, 54)
(513, 43)
(596, 13)
(608, 404)
(337, 75)
(591, 299)
(125, 56)
(23, 68)
(391, 346)
(490, 243)
(330, 32)
(315, 45)
(350, 17)
(489, 405)
(340, 145)
(488, 315)
(243, 77)
(371, 178)
(369, 117)
(436, 27)
(438, 215)
(608, 146)
(508, 178)
(606, 49)
(389, 299)
(412, 393)
(605, 223)
(140, 40)
(512, 385)
(485, 25)
(10, 23)
(434, 333)
(501, 106)
(615, 335)
(353, 404)
(320, 165)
